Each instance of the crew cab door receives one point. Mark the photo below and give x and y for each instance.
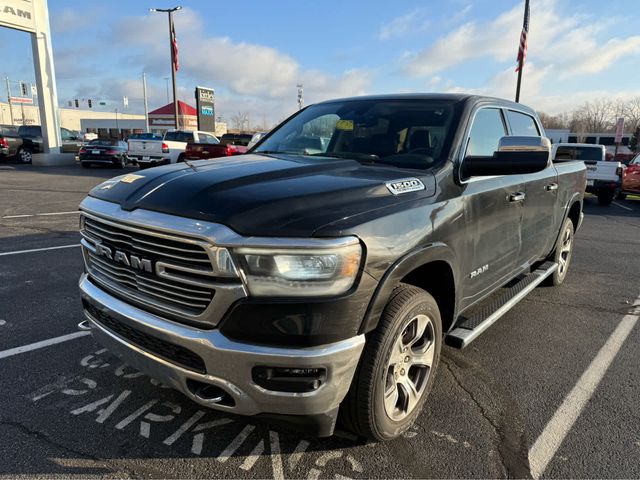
(541, 213)
(493, 209)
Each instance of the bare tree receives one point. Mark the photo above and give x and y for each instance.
(595, 116)
(554, 122)
(631, 114)
(240, 121)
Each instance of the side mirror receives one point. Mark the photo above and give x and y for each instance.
(515, 155)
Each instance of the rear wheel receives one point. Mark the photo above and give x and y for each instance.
(121, 163)
(605, 197)
(85, 164)
(562, 254)
(180, 158)
(25, 155)
(142, 166)
(397, 367)
(622, 196)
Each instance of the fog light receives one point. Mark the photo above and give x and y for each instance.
(294, 380)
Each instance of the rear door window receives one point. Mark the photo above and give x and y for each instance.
(522, 125)
(578, 153)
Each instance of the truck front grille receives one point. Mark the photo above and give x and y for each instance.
(159, 272)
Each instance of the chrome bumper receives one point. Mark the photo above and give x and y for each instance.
(228, 363)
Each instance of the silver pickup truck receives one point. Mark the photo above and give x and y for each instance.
(604, 179)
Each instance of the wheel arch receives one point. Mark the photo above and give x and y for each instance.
(431, 268)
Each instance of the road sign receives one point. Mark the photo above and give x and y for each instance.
(23, 100)
(619, 129)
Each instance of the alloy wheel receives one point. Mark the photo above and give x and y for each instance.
(409, 367)
(565, 251)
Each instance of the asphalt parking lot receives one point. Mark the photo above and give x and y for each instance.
(551, 389)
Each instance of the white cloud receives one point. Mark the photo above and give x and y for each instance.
(570, 41)
(413, 21)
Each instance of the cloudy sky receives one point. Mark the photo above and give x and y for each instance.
(253, 53)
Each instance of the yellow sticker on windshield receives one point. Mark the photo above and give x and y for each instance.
(132, 177)
(344, 125)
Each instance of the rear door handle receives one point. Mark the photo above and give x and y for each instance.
(551, 187)
(517, 197)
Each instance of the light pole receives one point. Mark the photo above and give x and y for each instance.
(300, 96)
(166, 84)
(173, 47)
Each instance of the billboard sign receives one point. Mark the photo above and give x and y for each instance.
(205, 104)
(17, 14)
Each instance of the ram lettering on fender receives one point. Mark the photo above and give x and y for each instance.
(405, 185)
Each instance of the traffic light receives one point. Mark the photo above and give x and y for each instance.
(89, 102)
(23, 88)
(77, 104)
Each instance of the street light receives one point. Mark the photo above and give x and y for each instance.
(173, 46)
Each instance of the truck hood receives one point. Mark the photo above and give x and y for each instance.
(283, 195)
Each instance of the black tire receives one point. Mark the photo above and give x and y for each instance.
(364, 410)
(121, 163)
(142, 166)
(621, 196)
(85, 164)
(605, 197)
(180, 158)
(562, 254)
(24, 155)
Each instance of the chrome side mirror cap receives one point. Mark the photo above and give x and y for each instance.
(524, 144)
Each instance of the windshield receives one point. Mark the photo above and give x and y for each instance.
(402, 133)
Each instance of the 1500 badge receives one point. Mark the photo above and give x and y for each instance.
(405, 185)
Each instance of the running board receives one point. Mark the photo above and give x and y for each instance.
(474, 322)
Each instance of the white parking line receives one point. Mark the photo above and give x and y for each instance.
(41, 344)
(622, 206)
(549, 441)
(41, 214)
(39, 249)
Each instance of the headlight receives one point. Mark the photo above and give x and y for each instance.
(300, 272)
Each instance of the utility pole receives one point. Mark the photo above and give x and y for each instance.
(9, 99)
(117, 127)
(300, 96)
(146, 109)
(173, 47)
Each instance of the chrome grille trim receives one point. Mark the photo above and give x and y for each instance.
(184, 286)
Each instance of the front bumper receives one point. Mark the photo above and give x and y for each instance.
(228, 363)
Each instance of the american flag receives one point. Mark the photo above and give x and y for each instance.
(522, 51)
(174, 46)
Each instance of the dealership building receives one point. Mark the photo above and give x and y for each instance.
(108, 124)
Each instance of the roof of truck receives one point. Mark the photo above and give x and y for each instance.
(456, 97)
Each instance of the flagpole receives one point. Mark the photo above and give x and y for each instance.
(521, 57)
(173, 55)
(173, 67)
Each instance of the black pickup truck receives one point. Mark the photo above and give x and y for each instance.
(317, 277)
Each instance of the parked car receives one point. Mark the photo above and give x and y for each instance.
(211, 148)
(170, 149)
(305, 286)
(631, 179)
(256, 138)
(236, 139)
(10, 141)
(104, 152)
(604, 178)
(32, 142)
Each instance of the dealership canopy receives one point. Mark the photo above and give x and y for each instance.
(163, 117)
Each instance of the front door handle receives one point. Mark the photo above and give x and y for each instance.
(517, 197)
(551, 187)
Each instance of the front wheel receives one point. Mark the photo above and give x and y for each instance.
(397, 367)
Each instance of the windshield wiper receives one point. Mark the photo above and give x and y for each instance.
(273, 152)
(349, 155)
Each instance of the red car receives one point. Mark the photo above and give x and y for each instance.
(201, 151)
(631, 179)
